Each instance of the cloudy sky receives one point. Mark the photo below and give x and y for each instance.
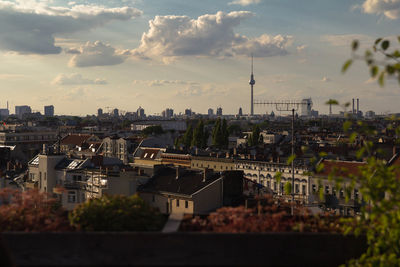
(82, 55)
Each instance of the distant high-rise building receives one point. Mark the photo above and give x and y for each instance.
(100, 112)
(168, 113)
(4, 112)
(49, 111)
(306, 105)
(219, 111)
(115, 112)
(140, 113)
(240, 112)
(210, 112)
(188, 112)
(21, 110)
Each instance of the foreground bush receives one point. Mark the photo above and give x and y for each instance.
(267, 217)
(31, 211)
(116, 213)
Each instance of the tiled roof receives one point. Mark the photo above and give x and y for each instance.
(341, 168)
(188, 182)
(75, 139)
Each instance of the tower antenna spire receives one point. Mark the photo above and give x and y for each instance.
(252, 82)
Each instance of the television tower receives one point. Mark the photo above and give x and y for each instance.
(252, 82)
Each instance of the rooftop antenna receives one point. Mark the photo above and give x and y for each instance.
(252, 82)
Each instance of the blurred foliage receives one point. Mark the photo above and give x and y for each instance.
(153, 130)
(116, 213)
(383, 59)
(31, 211)
(266, 216)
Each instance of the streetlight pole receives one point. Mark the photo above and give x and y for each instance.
(286, 106)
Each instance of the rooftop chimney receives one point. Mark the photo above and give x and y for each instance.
(352, 111)
(358, 105)
(44, 149)
(206, 172)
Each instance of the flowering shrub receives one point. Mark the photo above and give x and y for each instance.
(266, 217)
(116, 213)
(31, 211)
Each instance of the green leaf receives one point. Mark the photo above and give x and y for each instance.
(332, 102)
(378, 40)
(319, 168)
(346, 65)
(288, 188)
(352, 137)
(381, 79)
(278, 177)
(390, 69)
(347, 125)
(385, 44)
(354, 45)
(290, 159)
(374, 71)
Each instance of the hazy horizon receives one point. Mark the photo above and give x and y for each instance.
(83, 55)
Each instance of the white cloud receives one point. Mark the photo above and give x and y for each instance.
(164, 82)
(346, 39)
(5, 76)
(30, 27)
(97, 54)
(244, 2)
(75, 79)
(301, 48)
(390, 8)
(208, 35)
(325, 79)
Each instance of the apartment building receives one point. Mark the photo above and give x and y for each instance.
(73, 181)
(176, 190)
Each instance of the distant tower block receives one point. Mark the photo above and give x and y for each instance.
(252, 82)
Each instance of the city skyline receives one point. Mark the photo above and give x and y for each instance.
(80, 56)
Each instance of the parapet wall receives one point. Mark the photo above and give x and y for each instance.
(104, 249)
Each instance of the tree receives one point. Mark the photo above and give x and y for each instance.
(188, 136)
(379, 182)
(220, 134)
(225, 134)
(254, 138)
(156, 129)
(116, 213)
(198, 133)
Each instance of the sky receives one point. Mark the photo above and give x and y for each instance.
(83, 55)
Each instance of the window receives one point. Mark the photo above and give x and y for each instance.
(341, 192)
(327, 189)
(303, 189)
(71, 196)
(297, 188)
(274, 186)
(334, 191)
(268, 184)
(355, 194)
(314, 188)
(186, 204)
(177, 202)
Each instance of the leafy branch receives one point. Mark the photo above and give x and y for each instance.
(381, 62)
